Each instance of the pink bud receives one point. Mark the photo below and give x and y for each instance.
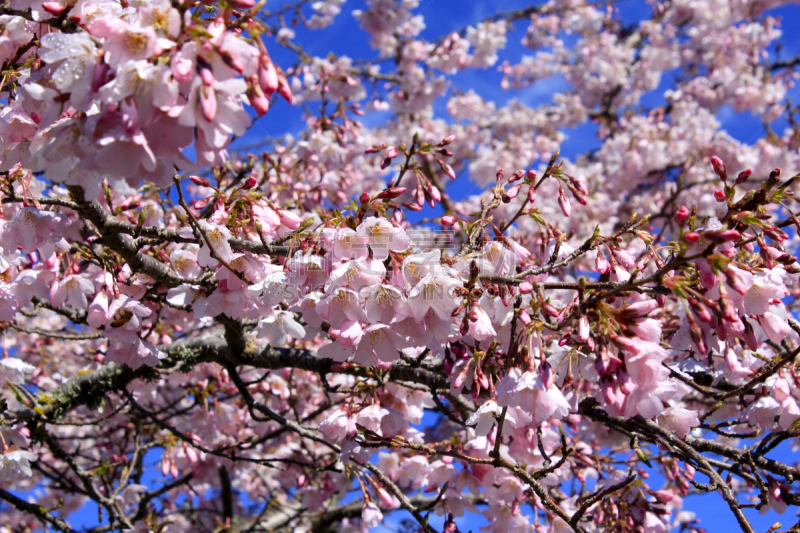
(726, 235)
(583, 330)
(624, 258)
(197, 180)
(54, 8)
(547, 375)
(743, 175)
(525, 287)
(284, 90)
(601, 264)
(206, 74)
(691, 237)
(735, 281)
(375, 148)
(563, 202)
(208, 103)
(249, 183)
(289, 219)
(682, 215)
(201, 204)
(391, 193)
(516, 176)
(531, 194)
(580, 186)
(664, 496)
(719, 195)
(513, 191)
(258, 99)
(639, 309)
(434, 193)
(232, 61)
(364, 198)
(719, 167)
(447, 169)
(267, 75)
(449, 220)
(549, 310)
(447, 140)
(525, 318)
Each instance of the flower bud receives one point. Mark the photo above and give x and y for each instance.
(448, 170)
(549, 310)
(516, 176)
(258, 99)
(208, 103)
(201, 204)
(375, 148)
(743, 175)
(639, 309)
(579, 186)
(719, 167)
(449, 220)
(54, 8)
(447, 140)
(267, 75)
(525, 287)
(735, 281)
(434, 193)
(601, 264)
(249, 183)
(700, 310)
(682, 215)
(531, 194)
(284, 90)
(584, 329)
(197, 180)
(719, 195)
(364, 198)
(691, 237)
(563, 203)
(725, 235)
(774, 178)
(391, 193)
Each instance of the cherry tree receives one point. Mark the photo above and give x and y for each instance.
(323, 332)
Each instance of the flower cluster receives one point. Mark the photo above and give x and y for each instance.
(323, 331)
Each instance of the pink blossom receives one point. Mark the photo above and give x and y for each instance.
(124, 42)
(774, 326)
(383, 237)
(33, 229)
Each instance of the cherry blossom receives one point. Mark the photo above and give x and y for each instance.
(521, 266)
